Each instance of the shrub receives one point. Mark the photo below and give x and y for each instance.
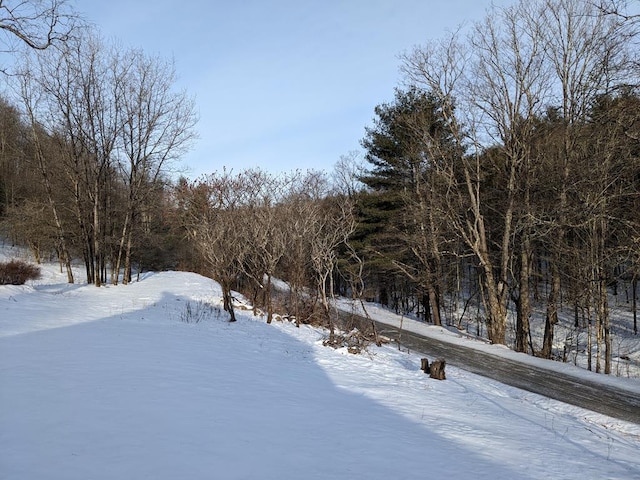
(199, 311)
(17, 272)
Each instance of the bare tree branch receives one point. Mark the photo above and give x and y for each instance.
(37, 23)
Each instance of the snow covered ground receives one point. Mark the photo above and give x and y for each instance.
(113, 383)
(452, 335)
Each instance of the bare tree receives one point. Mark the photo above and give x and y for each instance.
(13, 163)
(265, 232)
(510, 83)
(516, 63)
(299, 209)
(120, 123)
(30, 97)
(618, 8)
(213, 216)
(330, 228)
(36, 23)
(440, 69)
(157, 127)
(82, 82)
(587, 55)
(347, 172)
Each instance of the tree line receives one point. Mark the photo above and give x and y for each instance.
(88, 149)
(501, 182)
(508, 168)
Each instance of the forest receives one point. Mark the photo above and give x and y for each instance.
(499, 186)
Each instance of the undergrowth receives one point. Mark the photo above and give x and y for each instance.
(17, 272)
(198, 311)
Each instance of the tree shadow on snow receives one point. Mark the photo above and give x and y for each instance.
(132, 399)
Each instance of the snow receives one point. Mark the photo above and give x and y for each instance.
(115, 382)
(454, 336)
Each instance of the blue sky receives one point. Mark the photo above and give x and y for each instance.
(280, 84)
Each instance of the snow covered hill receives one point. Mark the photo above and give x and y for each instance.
(114, 383)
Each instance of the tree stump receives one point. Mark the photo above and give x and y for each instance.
(424, 365)
(435, 370)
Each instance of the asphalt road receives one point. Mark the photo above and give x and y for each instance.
(611, 401)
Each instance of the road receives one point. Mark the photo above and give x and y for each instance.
(611, 401)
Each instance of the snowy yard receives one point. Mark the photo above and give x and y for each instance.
(112, 383)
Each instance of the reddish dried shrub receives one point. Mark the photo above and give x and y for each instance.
(17, 272)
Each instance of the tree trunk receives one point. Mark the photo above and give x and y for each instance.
(589, 340)
(436, 369)
(523, 303)
(434, 304)
(126, 274)
(115, 269)
(495, 308)
(551, 319)
(60, 231)
(603, 299)
(603, 315)
(495, 291)
(598, 343)
(269, 300)
(227, 300)
(322, 291)
(62, 242)
(97, 253)
(634, 304)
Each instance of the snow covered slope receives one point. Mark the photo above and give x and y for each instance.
(112, 383)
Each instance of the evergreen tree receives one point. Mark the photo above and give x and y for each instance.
(400, 217)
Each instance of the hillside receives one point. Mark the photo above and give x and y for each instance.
(150, 381)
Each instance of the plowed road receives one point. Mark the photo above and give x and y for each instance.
(605, 399)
